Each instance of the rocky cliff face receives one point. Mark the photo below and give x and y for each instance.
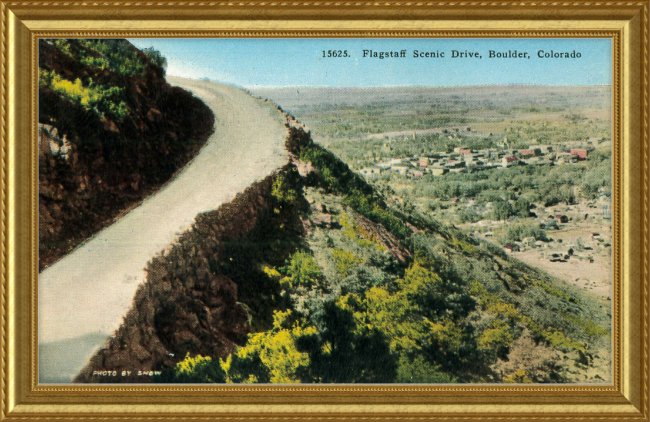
(126, 132)
(200, 296)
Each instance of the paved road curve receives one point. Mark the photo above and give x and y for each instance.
(83, 297)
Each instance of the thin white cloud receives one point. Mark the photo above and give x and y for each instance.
(186, 69)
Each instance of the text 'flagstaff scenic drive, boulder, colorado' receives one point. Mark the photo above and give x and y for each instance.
(465, 54)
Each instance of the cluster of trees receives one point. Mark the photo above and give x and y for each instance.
(517, 232)
(117, 57)
(353, 122)
(570, 127)
(156, 57)
(541, 184)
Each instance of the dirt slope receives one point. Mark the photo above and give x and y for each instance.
(90, 290)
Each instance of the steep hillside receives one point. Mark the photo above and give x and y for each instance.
(312, 276)
(111, 130)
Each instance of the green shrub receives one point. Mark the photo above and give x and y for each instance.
(518, 377)
(302, 270)
(590, 328)
(417, 370)
(118, 56)
(494, 305)
(345, 261)
(469, 215)
(344, 351)
(498, 337)
(156, 57)
(283, 191)
(369, 207)
(519, 231)
(554, 291)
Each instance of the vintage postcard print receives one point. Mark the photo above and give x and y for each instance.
(430, 211)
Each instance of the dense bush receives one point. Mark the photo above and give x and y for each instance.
(156, 57)
(91, 97)
(113, 55)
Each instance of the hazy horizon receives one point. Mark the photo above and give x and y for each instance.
(417, 86)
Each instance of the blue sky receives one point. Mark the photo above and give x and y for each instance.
(264, 62)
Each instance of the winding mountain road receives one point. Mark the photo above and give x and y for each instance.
(83, 297)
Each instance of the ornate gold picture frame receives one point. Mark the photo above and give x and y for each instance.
(25, 22)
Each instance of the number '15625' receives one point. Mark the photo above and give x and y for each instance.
(335, 53)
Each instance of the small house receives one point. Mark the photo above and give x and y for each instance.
(580, 153)
(438, 171)
(509, 161)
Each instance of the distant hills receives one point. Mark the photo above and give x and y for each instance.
(471, 96)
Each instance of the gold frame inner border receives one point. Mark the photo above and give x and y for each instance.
(626, 24)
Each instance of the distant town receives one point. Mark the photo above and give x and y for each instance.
(464, 159)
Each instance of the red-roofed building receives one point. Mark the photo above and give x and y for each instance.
(465, 152)
(527, 152)
(580, 153)
(509, 161)
(424, 162)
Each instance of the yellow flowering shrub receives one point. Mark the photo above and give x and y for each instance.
(518, 377)
(496, 337)
(275, 349)
(345, 261)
